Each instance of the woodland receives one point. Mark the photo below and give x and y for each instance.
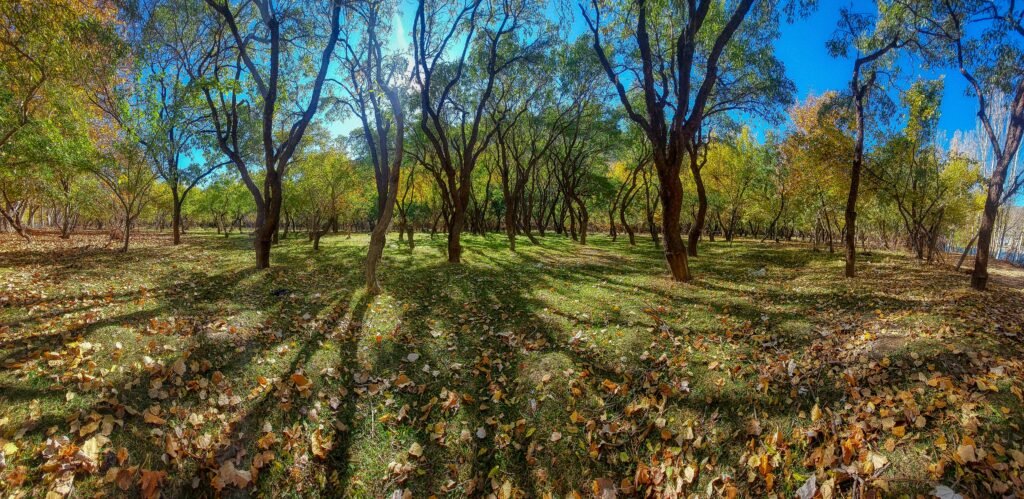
(510, 249)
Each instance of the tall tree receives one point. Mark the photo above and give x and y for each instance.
(170, 125)
(49, 51)
(984, 41)
(265, 60)
(874, 39)
(370, 77)
(487, 38)
(671, 57)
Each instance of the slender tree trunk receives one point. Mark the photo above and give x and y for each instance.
(379, 235)
(851, 199)
(702, 208)
(611, 224)
(967, 251)
(584, 221)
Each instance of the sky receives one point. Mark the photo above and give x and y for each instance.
(801, 48)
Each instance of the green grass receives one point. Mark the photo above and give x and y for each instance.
(594, 343)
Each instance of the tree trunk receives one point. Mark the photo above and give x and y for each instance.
(611, 224)
(455, 229)
(176, 218)
(702, 208)
(979, 278)
(510, 226)
(671, 202)
(14, 220)
(584, 221)
(379, 235)
(967, 250)
(851, 199)
(127, 233)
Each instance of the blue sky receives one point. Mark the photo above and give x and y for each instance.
(802, 49)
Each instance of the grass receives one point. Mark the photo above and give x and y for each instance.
(554, 370)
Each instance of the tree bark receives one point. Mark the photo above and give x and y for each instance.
(693, 237)
(127, 234)
(176, 218)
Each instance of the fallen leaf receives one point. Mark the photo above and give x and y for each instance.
(151, 481)
(416, 450)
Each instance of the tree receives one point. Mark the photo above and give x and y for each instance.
(171, 112)
(733, 170)
(669, 52)
(265, 46)
(984, 41)
(752, 81)
(487, 38)
(226, 201)
(322, 183)
(930, 188)
(875, 40)
(522, 142)
(818, 152)
(122, 169)
(49, 49)
(370, 75)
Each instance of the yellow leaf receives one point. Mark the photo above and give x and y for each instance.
(966, 453)
(10, 449)
(402, 381)
(689, 473)
(151, 417)
(319, 446)
(416, 450)
(91, 447)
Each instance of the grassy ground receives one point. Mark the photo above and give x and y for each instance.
(556, 370)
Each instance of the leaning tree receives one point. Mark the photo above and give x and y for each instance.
(984, 41)
(374, 89)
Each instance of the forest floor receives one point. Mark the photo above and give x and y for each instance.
(556, 370)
